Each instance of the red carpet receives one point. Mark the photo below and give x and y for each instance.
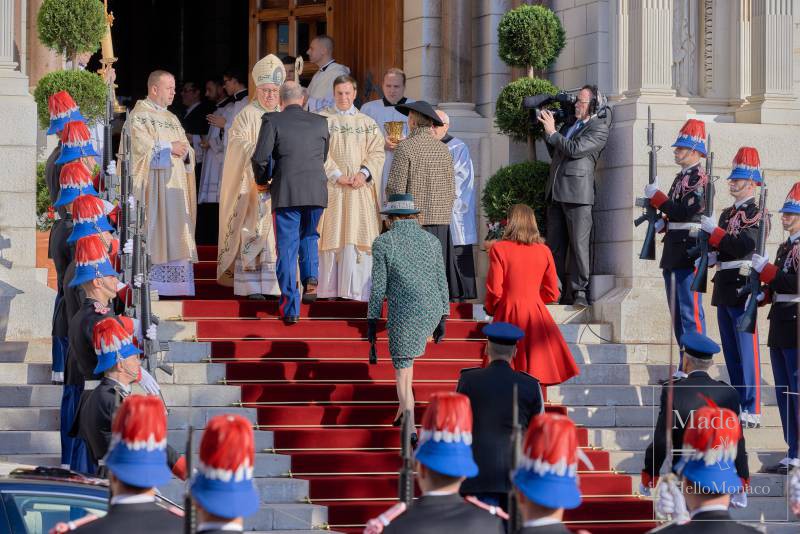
(332, 412)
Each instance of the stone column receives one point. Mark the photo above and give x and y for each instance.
(41, 59)
(456, 51)
(619, 42)
(741, 40)
(25, 301)
(771, 101)
(650, 66)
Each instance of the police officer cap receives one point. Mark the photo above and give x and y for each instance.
(503, 333)
(699, 346)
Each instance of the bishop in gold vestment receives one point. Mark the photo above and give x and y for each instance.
(352, 220)
(162, 165)
(247, 256)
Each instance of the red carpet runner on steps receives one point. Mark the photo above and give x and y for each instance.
(332, 412)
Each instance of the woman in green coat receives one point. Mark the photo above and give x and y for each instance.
(407, 269)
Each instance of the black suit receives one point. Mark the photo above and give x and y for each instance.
(711, 522)
(296, 141)
(686, 399)
(52, 175)
(490, 392)
(143, 518)
(570, 195)
(61, 253)
(445, 513)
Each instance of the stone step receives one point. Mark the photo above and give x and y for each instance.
(766, 508)
(643, 416)
(175, 395)
(37, 350)
(631, 462)
(777, 527)
(272, 490)
(621, 395)
(646, 374)
(182, 373)
(638, 438)
(761, 485)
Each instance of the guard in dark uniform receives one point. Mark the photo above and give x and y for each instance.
(443, 460)
(135, 471)
(63, 109)
(735, 239)
(544, 488)
(689, 395)
(707, 476)
(490, 391)
(682, 208)
(781, 286)
(227, 450)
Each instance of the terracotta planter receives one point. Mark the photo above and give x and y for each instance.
(42, 261)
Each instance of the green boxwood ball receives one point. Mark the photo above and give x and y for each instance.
(520, 183)
(530, 36)
(86, 88)
(71, 26)
(510, 118)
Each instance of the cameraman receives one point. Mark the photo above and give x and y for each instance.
(570, 191)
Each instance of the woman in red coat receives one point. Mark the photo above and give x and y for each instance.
(522, 279)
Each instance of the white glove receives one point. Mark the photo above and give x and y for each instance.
(739, 500)
(660, 224)
(127, 248)
(712, 260)
(120, 285)
(650, 190)
(644, 490)
(111, 168)
(759, 262)
(707, 224)
(794, 491)
(138, 280)
(152, 332)
(669, 499)
(137, 327)
(148, 383)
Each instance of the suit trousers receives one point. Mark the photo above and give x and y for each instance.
(569, 230)
(689, 314)
(784, 368)
(296, 233)
(741, 358)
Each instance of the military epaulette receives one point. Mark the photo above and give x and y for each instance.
(494, 510)
(377, 524)
(468, 369)
(60, 528)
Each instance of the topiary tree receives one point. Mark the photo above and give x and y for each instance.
(530, 37)
(520, 183)
(71, 26)
(86, 88)
(511, 118)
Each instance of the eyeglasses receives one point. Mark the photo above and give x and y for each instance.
(270, 91)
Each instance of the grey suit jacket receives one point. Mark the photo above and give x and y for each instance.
(296, 142)
(571, 176)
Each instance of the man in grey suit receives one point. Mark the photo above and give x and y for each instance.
(289, 160)
(574, 152)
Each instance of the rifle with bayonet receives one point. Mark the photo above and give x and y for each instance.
(514, 516)
(188, 508)
(700, 281)
(108, 181)
(125, 204)
(747, 321)
(406, 479)
(650, 214)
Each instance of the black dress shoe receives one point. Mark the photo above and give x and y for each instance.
(256, 296)
(398, 421)
(291, 319)
(414, 440)
(579, 301)
(310, 291)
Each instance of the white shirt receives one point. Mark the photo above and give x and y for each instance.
(709, 508)
(232, 526)
(738, 203)
(132, 499)
(541, 522)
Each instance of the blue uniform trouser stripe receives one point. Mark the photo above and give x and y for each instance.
(689, 315)
(296, 234)
(70, 398)
(784, 368)
(741, 358)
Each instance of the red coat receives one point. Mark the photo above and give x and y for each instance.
(521, 280)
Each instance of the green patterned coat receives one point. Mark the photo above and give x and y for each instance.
(408, 269)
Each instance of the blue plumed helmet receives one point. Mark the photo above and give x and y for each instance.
(75, 180)
(445, 442)
(76, 143)
(89, 216)
(792, 202)
(63, 109)
(692, 136)
(548, 471)
(91, 260)
(747, 165)
(710, 446)
(113, 341)
(138, 452)
(224, 485)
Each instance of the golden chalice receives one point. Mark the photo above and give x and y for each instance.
(394, 130)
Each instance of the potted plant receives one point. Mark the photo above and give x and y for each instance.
(71, 27)
(520, 183)
(86, 88)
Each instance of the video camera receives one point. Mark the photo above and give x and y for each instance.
(566, 102)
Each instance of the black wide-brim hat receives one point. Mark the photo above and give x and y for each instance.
(420, 106)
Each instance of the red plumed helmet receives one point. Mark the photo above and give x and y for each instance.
(694, 128)
(60, 104)
(448, 417)
(551, 445)
(111, 333)
(75, 174)
(87, 208)
(140, 422)
(747, 156)
(90, 249)
(76, 133)
(227, 451)
(714, 434)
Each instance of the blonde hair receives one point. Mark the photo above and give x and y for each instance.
(522, 226)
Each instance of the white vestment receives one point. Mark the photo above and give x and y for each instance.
(320, 89)
(463, 225)
(211, 173)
